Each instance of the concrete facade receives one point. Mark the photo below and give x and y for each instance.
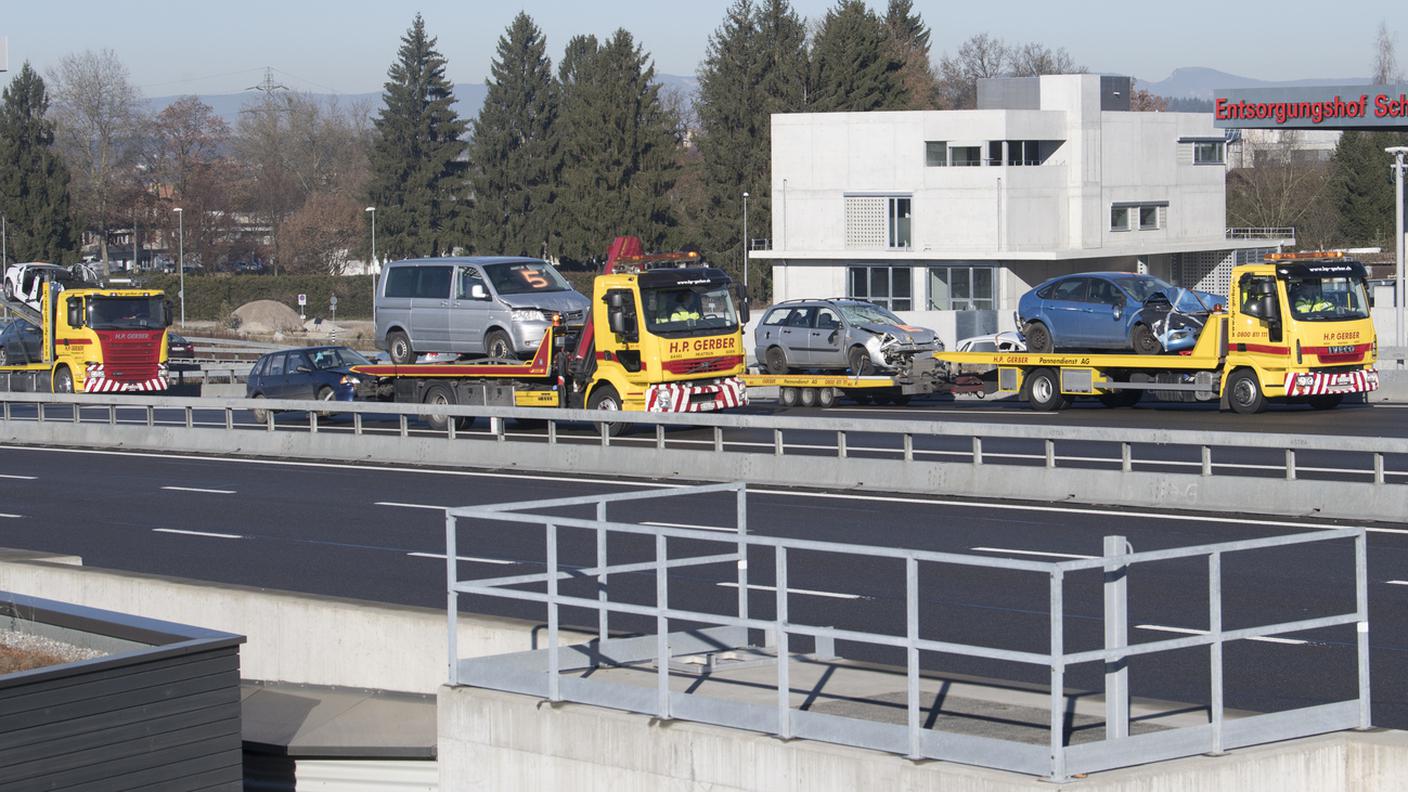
(506, 742)
(1008, 195)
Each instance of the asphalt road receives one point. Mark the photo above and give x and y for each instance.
(378, 534)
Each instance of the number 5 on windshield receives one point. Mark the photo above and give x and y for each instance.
(534, 278)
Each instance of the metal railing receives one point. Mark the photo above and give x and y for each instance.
(545, 672)
(1134, 466)
(1287, 232)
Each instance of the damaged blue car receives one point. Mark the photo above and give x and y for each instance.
(1113, 311)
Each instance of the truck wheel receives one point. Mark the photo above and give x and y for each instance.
(398, 346)
(810, 398)
(1043, 391)
(1144, 341)
(604, 397)
(788, 397)
(826, 397)
(498, 345)
(1038, 338)
(1244, 392)
(63, 380)
(1328, 401)
(775, 360)
(1121, 398)
(859, 360)
(439, 394)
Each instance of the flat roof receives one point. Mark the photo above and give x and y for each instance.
(1070, 254)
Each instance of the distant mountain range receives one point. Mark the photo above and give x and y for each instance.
(1197, 82)
(469, 97)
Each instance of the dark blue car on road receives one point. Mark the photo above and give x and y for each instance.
(323, 373)
(1113, 311)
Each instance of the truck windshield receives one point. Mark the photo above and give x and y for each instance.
(686, 310)
(1327, 299)
(524, 277)
(113, 313)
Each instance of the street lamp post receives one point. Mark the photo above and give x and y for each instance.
(4, 237)
(1399, 287)
(745, 242)
(371, 210)
(181, 260)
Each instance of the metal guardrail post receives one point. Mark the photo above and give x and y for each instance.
(501, 430)
(112, 414)
(840, 445)
(908, 447)
(718, 439)
(741, 522)
(602, 614)
(977, 450)
(77, 415)
(151, 416)
(554, 672)
(660, 436)
(230, 419)
(1126, 457)
(450, 427)
(357, 424)
(268, 420)
(452, 608)
(312, 422)
(405, 430)
(1378, 465)
(190, 418)
(662, 630)
(1207, 460)
(552, 432)
(1361, 599)
(39, 412)
(605, 431)
(1051, 453)
(911, 697)
(7, 411)
(777, 442)
(784, 671)
(1290, 465)
(1215, 648)
(1116, 637)
(1058, 677)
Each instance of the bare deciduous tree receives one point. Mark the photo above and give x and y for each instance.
(1386, 70)
(1034, 59)
(187, 167)
(983, 56)
(98, 120)
(1277, 187)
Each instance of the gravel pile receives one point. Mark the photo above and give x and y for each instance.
(19, 651)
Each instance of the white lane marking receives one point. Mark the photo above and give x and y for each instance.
(474, 559)
(13, 516)
(13, 476)
(1030, 552)
(1065, 510)
(1187, 631)
(808, 592)
(758, 491)
(197, 533)
(410, 505)
(199, 489)
(723, 528)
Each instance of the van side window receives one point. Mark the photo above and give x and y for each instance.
(469, 276)
(434, 282)
(401, 282)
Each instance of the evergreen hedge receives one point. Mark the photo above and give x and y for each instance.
(214, 297)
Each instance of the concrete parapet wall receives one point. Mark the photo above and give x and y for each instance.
(511, 743)
(292, 637)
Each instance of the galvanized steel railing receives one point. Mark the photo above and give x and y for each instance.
(541, 672)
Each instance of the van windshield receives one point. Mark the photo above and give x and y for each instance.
(524, 277)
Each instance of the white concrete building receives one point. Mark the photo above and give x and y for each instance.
(948, 217)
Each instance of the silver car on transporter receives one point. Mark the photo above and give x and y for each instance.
(837, 335)
(497, 306)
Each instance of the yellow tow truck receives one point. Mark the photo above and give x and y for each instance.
(1296, 329)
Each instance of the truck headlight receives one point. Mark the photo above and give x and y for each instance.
(528, 315)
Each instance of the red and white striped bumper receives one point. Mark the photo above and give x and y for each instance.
(705, 396)
(95, 381)
(1318, 383)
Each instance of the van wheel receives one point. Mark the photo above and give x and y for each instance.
(398, 346)
(775, 360)
(1042, 391)
(604, 397)
(498, 345)
(63, 380)
(1144, 341)
(1244, 392)
(1038, 338)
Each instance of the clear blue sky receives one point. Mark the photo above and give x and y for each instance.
(346, 46)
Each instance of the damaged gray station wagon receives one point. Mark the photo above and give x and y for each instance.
(831, 335)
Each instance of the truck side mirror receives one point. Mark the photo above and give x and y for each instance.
(743, 312)
(1262, 307)
(616, 318)
(168, 311)
(75, 312)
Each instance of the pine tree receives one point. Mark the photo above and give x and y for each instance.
(33, 179)
(909, 38)
(415, 172)
(513, 154)
(618, 147)
(1363, 196)
(854, 68)
(756, 65)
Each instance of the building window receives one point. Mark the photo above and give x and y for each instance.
(961, 156)
(962, 288)
(887, 286)
(1148, 218)
(899, 219)
(1119, 218)
(1208, 153)
(935, 153)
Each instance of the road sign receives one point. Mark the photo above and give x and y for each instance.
(332, 301)
(302, 300)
